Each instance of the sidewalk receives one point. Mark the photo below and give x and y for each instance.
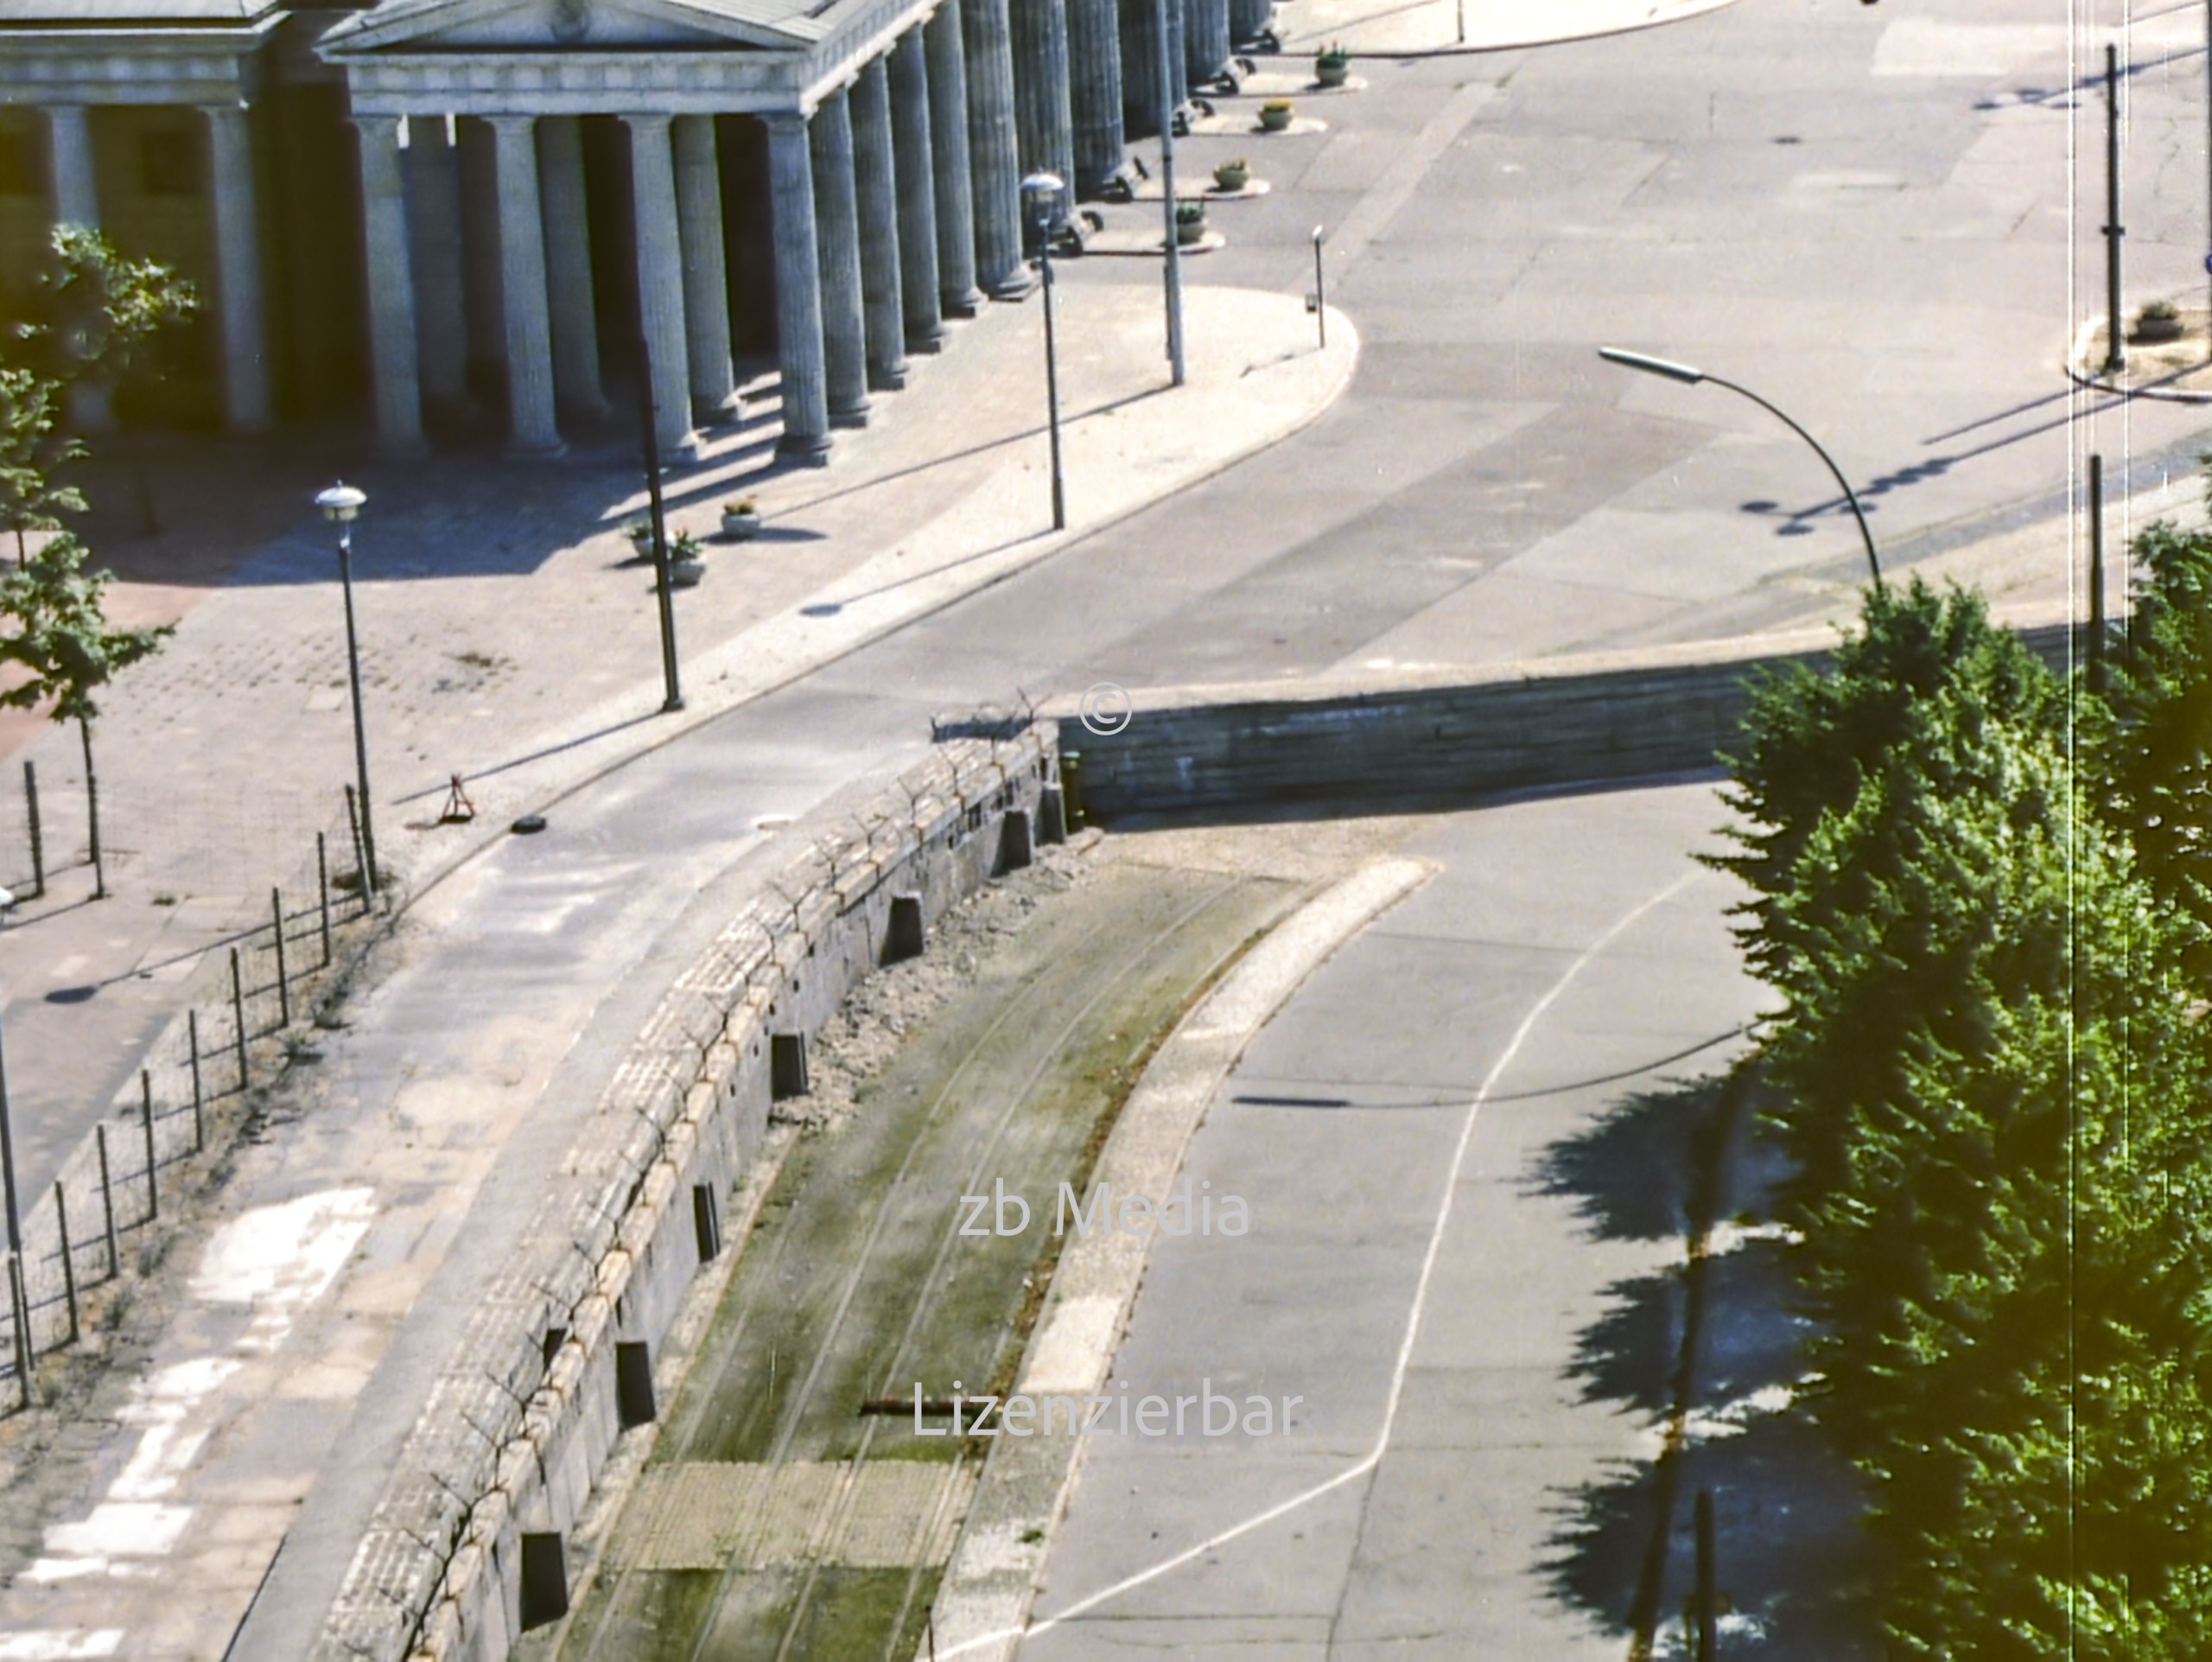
(517, 647)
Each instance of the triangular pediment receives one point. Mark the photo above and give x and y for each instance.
(535, 26)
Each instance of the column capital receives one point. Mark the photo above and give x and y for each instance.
(786, 121)
(646, 120)
(509, 123)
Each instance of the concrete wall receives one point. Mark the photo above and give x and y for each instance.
(1224, 749)
(518, 1426)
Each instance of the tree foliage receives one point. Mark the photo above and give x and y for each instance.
(61, 639)
(1992, 1084)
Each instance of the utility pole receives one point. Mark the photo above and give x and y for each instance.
(2116, 350)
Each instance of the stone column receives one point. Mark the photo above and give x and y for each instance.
(1095, 92)
(390, 285)
(1178, 32)
(660, 284)
(531, 429)
(956, 198)
(837, 232)
(76, 202)
(706, 271)
(433, 232)
(69, 144)
(1248, 19)
(1139, 69)
(563, 199)
(1205, 39)
(883, 291)
(799, 288)
(237, 269)
(993, 148)
(911, 162)
(1043, 112)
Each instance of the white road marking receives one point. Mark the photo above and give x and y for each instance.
(274, 1260)
(1373, 1458)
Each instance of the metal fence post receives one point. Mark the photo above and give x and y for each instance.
(238, 1017)
(68, 1265)
(283, 991)
(107, 1203)
(38, 842)
(363, 880)
(198, 1123)
(146, 1119)
(19, 1317)
(322, 886)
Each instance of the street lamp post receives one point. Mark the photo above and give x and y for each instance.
(1042, 195)
(1684, 374)
(340, 505)
(649, 442)
(1164, 88)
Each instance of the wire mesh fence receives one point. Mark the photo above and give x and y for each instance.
(82, 1233)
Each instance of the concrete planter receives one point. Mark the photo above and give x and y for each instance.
(741, 527)
(2150, 331)
(1273, 120)
(1329, 72)
(685, 574)
(1232, 175)
(1189, 231)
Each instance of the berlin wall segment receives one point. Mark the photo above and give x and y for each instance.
(611, 1260)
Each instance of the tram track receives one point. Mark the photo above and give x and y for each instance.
(1057, 1025)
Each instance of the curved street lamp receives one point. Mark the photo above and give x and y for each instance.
(1684, 374)
(340, 505)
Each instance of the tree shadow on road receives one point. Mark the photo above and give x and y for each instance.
(1709, 1359)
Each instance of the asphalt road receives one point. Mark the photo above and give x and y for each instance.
(1436, 1267)
(1871, 223)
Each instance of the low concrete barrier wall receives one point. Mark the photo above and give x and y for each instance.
(522, 1419)
(1223, 749)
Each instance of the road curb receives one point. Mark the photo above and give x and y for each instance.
(984, 1602)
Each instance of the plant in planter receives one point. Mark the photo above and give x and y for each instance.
(1190, 222)
(741, 519)
(640, 533)
(1332, 64)
(1274, 115)
(2158, 321)
(1233, 175)
(685, 568)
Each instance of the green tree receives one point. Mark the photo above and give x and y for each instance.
(32, 451)
(90, 310)
(2154, 754)
(61, 638)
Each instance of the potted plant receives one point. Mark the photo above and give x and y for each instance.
(640, 533)
(1190, 222)
(1233, 174)
(2158, 321)
(741, 519)
(1332, 64)
(1274, 115)
(685, 568)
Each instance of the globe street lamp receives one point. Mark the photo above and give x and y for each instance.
(340, 505)
(1041, 198)
(1683, 372)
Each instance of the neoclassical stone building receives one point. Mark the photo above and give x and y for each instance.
(469, 209)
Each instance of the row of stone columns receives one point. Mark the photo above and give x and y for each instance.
(235, 212)
(895, 204)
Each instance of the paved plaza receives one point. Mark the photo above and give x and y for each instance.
(1882, 218)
